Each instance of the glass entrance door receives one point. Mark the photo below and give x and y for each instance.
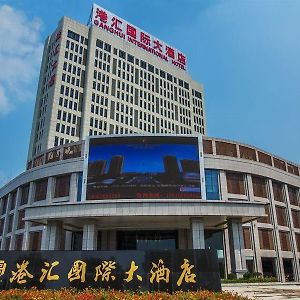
(147, 240)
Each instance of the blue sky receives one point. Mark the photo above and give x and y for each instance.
(246, 54)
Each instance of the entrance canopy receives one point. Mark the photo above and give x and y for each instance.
(145, 214)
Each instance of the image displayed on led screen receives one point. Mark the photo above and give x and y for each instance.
(143, 168)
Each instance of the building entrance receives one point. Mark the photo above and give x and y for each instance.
(288, 269)
(147, 240)
(76, 244)
(268, 266)
(214, 240)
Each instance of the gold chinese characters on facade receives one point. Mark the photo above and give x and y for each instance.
(104, 272)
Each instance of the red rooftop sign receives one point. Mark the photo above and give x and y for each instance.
(115, 25)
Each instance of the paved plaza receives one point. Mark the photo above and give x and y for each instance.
(274, 291)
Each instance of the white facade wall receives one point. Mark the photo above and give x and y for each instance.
(105, 85)
(191, 218)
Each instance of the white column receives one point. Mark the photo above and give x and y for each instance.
(45, 237)
(15, 220)
(256, 248)
(223, 185)
(50, 189)
(51, 236)
(255, 239)
(296, 265)
(89, 239)
(250, 192)
(25, 244)
(227, 251)
(31, 192)
(73, 187)
(236, 244)
(197, 227)
(6, 219)
(277, 246)
(68, 241)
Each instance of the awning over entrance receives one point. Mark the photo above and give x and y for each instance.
(146, 214)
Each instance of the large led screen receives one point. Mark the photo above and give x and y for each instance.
(152, 167)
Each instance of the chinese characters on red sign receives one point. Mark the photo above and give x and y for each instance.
(119, 27)
(53, 58)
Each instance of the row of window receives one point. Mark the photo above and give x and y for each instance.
(282, 218)
(230, 149)
(236, 185)
(20, 223)
(61, 141)
(5, 206)
(266, 239)
(150, 68)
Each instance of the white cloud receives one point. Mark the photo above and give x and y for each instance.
(20, 57)
(5, 107)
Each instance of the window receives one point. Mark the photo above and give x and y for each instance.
(207, 147)
(13, 200)
(281, 216)
(293, 169)
(279, 164)
(79, 186)
(226, 149)
(284, 241)
(1, 225)
(41, 190)
(296, 218)
(162, 74)
(169, 77)
(259, 187)
(6, 243)
(293, 195)
(247, 153)
(10, 223)
(277, 191)
(35, 239)
(212, 184)
(266, 239)
(107, 47)
(74, 36)
(267, 218)
(4, 205)
(235, 183)
(247, 238)
(21, 222)
(198, 95)
(297, 235)
(264, 158)
(19, 242)
(62, 186)
(99, 43)
(150, 68)
(122, 54)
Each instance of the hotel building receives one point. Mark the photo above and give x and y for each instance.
(96, 81)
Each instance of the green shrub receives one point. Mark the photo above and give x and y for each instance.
(231, 276)
(249, 275)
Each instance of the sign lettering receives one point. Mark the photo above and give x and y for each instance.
(106, 20)
(123, 270)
